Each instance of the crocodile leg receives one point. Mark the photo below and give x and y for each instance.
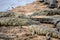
(48, 37)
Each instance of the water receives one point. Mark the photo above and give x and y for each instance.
(8, 4)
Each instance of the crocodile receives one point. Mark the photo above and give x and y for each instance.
(7, 14)
(12, 14)
(12, 21)
(48, 37)
(40, 30)
(47, 19)
(47, 12)
(7, 37)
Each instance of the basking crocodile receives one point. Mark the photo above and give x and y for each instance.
(47, 12)
(7, 14)
(12, 21)
(44, 31)
(46, 1)
(7, 37)
(47, 19)
(12, 14)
